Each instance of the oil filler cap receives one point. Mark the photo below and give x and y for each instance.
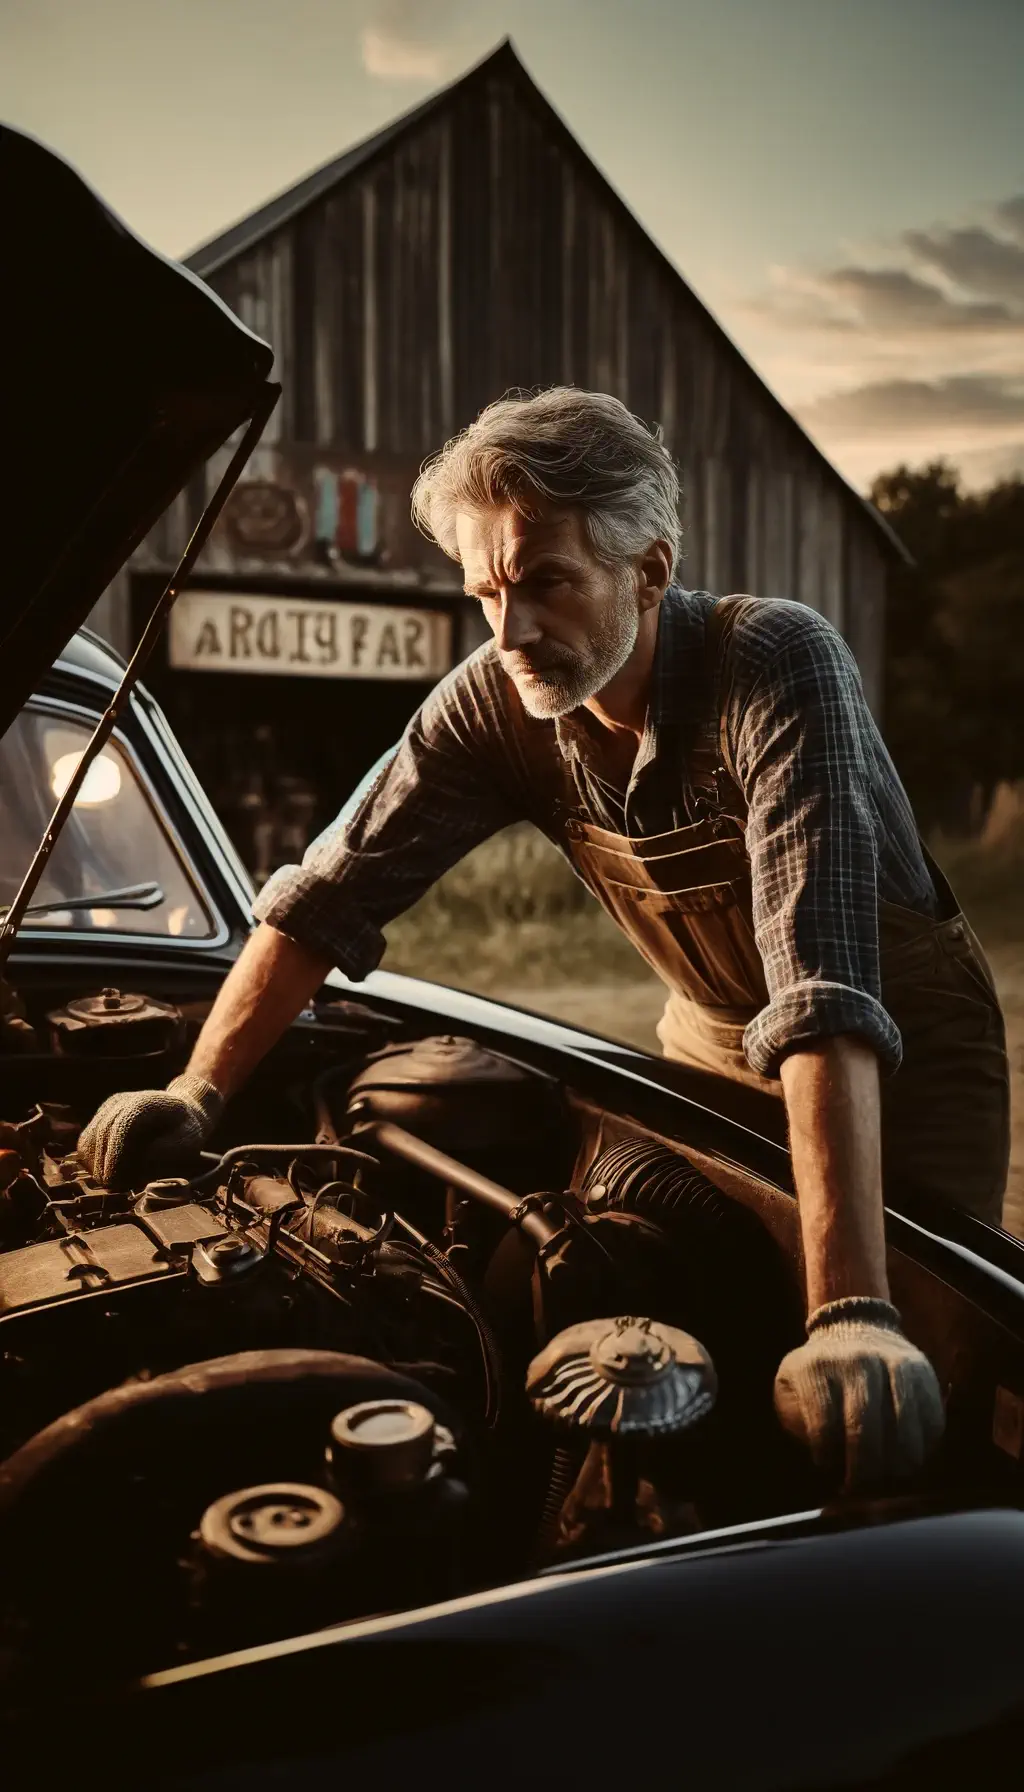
(382, 1446)
(283, 1523)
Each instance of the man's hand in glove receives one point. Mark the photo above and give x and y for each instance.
(150, 1132)
(158, 1132)
(860, 1396)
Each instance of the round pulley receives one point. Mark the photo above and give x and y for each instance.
(383, 1446)
(283, 1524)
(623, 1377)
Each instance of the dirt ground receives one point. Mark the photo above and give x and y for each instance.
(630, 1011)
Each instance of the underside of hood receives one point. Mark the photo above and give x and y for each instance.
(123, 373)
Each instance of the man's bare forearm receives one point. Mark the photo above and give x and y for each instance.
(833, 1106)
(271, 983)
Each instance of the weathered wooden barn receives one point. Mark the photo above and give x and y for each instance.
(469, 247)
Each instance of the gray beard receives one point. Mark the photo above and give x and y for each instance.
(577, 676)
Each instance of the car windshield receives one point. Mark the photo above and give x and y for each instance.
(112, 839)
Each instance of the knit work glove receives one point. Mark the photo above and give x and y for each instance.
(860, 1396)
(149, 1132)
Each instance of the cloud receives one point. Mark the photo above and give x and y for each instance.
(893, 299)
(409, 40)
(1010, 214)
(961, 401)
(913, 350)
(959, 280)
(975, 260)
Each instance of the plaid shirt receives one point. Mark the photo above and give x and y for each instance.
(829, 829)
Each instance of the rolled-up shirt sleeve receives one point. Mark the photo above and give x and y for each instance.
(436, 798)
(800, 743)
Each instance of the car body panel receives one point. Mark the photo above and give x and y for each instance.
(844, 1649)
(140, 377)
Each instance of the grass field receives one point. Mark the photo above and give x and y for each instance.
(513, 922)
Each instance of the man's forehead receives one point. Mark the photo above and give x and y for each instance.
(502, 533)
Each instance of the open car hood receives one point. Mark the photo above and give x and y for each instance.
(123, 374)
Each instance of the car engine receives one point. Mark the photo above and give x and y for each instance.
(415, 1327)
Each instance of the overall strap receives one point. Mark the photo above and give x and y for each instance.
(712, 772)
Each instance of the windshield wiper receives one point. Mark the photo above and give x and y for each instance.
(147, 895)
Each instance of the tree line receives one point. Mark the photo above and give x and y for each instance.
(954, 691)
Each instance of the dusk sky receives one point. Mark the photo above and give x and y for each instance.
(841, 181)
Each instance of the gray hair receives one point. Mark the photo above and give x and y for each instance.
(581, 450)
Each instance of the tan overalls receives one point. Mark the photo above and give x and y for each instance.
(684, 899)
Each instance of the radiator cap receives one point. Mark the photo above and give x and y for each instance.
(623, 1377)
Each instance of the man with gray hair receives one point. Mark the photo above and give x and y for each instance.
(712, 772)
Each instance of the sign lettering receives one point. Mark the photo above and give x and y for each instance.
(222, 632)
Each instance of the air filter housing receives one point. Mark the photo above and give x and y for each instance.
(623, 1377)
(455, 1094)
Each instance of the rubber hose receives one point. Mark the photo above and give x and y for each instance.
(489, 1351)
(740, 1266)
(245, 1153)
(564, 1469)
(646, 1177)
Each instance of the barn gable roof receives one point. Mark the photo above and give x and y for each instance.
(211, 257)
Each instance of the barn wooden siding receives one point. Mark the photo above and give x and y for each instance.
(479, 249)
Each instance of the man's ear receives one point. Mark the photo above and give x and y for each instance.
(654, 575)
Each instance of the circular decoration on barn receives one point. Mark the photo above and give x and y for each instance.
(264, 518)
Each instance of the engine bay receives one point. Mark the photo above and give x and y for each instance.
(422, 1323)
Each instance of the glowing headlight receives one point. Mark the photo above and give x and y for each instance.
(102, 780)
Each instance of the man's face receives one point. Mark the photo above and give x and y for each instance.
(565, 624)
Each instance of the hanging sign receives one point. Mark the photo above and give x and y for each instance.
(215, 631)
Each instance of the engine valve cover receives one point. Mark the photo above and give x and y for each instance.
(62, 1268)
